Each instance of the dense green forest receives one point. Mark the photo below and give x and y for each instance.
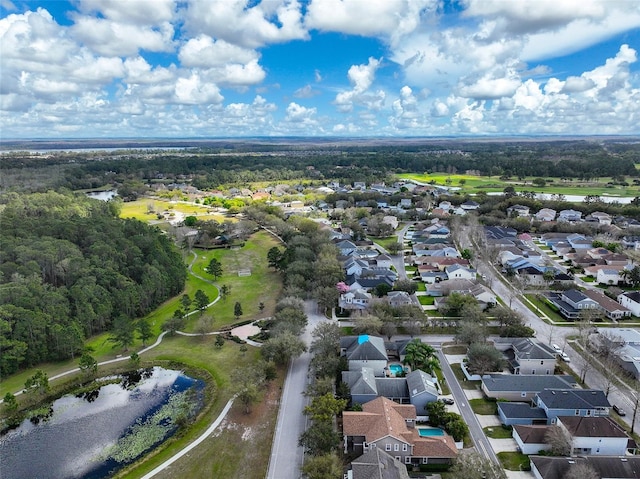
(246, 162)
(69, 268)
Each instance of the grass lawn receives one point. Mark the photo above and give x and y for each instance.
(426, 300)
(471, 385)
(262, 286)
(146, 209)
(542, 306)
(588, 279)
(514, 461)
(498, 432)
(385, 242)
(457, 349)
(443, 384)
(483, 406)
(475, 184)
(421, 286)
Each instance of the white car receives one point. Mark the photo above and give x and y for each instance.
(556, 348)
(565, 357)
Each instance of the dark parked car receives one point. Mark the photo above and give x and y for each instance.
(448, 401)
(619, 410)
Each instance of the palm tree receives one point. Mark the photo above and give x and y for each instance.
(419, 355)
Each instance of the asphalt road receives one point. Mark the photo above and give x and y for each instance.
(550, 334)
(286, 456)
(483, 446)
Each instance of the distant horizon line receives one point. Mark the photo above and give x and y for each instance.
(312, 137)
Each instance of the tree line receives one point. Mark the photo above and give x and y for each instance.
(69, 269)
(247, 163)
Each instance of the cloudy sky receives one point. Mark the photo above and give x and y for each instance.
(211, 68)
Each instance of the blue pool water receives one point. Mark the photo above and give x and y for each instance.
(396, 368)
(430, 431)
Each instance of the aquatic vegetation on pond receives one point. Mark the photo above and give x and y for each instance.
(144, 434)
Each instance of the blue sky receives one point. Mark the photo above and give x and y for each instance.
(225, 68)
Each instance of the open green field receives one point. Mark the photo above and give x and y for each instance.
(475, 184)
(146, 209)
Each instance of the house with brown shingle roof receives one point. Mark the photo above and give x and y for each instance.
(389, 426)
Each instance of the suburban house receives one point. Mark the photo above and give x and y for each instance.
(417, 388)
(528, 356)
(570, 215)
(610, 308)
(521, 413)
(458, 271)
(530, 439)
(365, 351)
(626, 347)
(357, 300)
(391, 427)
(548, 404)
(606, 467)
(523, 387)
(608, 276)
(595, 435)
(398, 298)
(571, 303)
(631, 301)
(545, 214)
(470, 205)
(518, 210)
(572, 402)
(376, 463)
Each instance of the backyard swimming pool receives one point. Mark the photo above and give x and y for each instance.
(430, 431)
(396, 368)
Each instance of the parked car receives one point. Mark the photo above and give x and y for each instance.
(565, 357)
(448, 401)
(556, 348)
(619, 410)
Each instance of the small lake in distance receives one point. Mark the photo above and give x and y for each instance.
(92, 435)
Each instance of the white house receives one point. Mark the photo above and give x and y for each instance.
(457, 271)
(631, 301)
(546, 214)
(530, 439)
(608, 276)
(594, 435)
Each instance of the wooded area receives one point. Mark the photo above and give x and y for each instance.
(69, 268)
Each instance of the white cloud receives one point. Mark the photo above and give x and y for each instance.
(205, 52)
(193, 91)
(526, 16)
(361, 78)
(241, 22)
(387, 18)
(139, 12)
(491, 88)
(112, 38)
(306, 91)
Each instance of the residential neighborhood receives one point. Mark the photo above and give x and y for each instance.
(566, 276)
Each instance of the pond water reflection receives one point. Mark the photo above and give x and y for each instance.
(92, 434)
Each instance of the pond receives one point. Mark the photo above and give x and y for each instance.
(93, 434)
(103, 195)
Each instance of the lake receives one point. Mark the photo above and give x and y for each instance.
(102, 195)
(91, 435)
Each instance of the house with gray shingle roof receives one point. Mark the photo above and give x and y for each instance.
(610, 467)
(572, 402)
(365, 351)
(377, 464)
(522, 387)
(417, 388)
